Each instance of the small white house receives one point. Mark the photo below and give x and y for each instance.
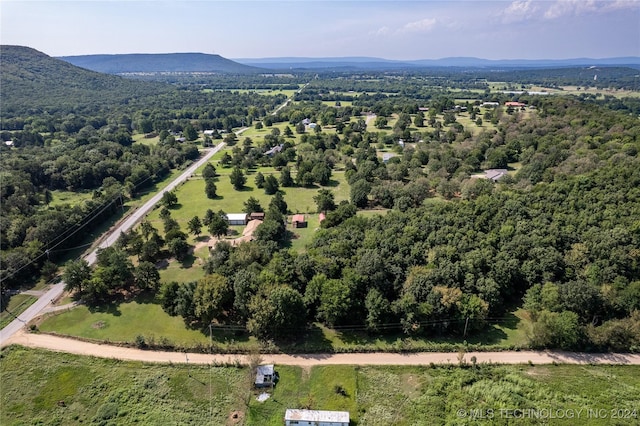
(237, 218)
(295, 417)
(209, 132)
(265, 376)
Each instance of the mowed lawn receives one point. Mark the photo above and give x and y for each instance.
(193, 202)
(123, 323)
(40, 387)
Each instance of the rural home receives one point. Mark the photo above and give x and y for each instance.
(276, 149)
(315, 418)
(495, 174)
(237, 218)
(298, 221)
(515, 104)
(265, 376)
(490, 104)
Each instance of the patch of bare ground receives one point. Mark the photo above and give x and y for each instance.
(236, 417)
(247, 235)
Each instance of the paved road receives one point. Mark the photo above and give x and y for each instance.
(31, 312)
(62, 344)
(56, 290)
(148, 206)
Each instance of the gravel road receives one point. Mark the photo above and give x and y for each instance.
(62, 344)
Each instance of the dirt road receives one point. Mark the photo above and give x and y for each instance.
(60, 344)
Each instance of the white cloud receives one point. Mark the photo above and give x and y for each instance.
(519, 11)
(577, 7)
(382, 31)
(423, 25)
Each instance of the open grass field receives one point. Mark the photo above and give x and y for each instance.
(267, 92)
(192, 200)
(618, 93)
(123, 322)
(69, 197)
(40, 387)
(140, 138)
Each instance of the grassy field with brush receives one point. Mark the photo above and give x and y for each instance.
(40, 387)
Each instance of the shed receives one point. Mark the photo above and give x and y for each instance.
(387, 156)
(321, 217)
(495, 174)
(265, 376)
(237, 218)
(276, 149)
(300, 417)
(298, 221)
(256, 216)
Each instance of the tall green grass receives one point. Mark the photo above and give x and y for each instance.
(40, 387)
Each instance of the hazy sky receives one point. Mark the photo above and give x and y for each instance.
(528, 29)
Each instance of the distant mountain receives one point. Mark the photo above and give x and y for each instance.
(31, 79)
(527, 63)
(159, 63)
(364, 63)
(345, 63)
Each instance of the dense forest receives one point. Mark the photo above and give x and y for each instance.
(559, 235)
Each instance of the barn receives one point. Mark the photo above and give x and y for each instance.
(298, 221)
(315, 418)
(237, 218)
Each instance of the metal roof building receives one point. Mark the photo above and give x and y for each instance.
(237, 218)
(264, 376)
(315, 418)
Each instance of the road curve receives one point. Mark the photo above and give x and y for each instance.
(31, 312)
(63, 344)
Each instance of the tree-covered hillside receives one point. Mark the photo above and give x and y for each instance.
(32, 81)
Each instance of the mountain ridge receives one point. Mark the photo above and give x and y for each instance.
(194, 62)
(459, 61)
(159, 62)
